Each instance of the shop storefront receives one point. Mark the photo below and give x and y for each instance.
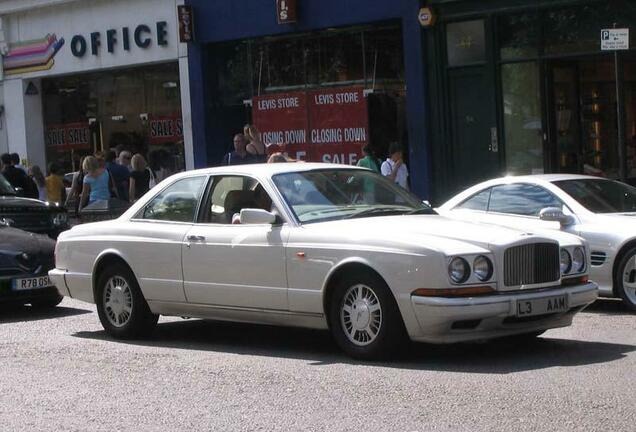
(524, 88)
(90, 76)
(340, 76)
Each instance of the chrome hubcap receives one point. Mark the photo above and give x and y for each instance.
(361, 315)
(118, 302)
(629, 279)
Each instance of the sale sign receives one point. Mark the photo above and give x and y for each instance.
(166, 129)
(327, 125)
(282, 122)
(68, 136)
(339, 125)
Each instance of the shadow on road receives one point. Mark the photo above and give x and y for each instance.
(607, 306)
(317, 347)
(20, 313)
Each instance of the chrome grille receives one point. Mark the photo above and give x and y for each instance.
(532, 263)
(598, 258)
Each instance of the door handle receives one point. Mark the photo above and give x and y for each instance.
(195, 238)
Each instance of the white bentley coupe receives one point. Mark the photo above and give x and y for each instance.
(321, 246)
(601, 211)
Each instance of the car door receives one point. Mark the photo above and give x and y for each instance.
(155, 237)
(235, 265)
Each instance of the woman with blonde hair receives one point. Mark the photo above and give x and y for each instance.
(140, 177)
(96, 183)
(255, 146)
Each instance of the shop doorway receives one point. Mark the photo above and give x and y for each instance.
(582, 122)
(475, 145)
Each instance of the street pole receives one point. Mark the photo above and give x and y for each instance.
(618, 76)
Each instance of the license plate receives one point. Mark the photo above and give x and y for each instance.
(542, 306)
(31, 283)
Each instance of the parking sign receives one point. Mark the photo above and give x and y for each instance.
(614, 39)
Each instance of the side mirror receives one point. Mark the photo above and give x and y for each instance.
(19, 191)
(555, 214)
(427, 203)
(256, 216)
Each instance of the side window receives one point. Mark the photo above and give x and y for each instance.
(478, 201)
(229, 195)
(521, 199)
(176, 203)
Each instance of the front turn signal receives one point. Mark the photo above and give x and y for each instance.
(468, 291)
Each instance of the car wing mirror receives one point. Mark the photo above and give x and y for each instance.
(555, 214)
(256, 216)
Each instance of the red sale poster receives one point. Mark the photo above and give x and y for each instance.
(327, 125)
(68, 136)
(282, 121)
(165, 129)
(339, 126)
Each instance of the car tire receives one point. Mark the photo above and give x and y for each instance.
(626, 272)
(377, 331)
(122, 308)
(46, 302)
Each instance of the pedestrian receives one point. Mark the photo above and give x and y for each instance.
(240, 155)
(55, 190)
(96, 184)
(140, 178)
(119, 173)
(40, 182)
(15, 158)
(369, 160)
(255, 146)
(72, 199)
(125, 159)
(394, 167)
(17, 177)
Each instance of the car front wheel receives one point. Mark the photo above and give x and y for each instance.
(121, 307)
(626, 279)
(364, 318)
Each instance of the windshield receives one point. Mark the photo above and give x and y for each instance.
(5, 187)
(331, 194)
(601, 196)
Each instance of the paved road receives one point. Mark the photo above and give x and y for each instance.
(59, 371)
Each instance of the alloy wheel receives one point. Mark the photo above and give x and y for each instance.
(629, 279)
(361, 315)
(118, 301)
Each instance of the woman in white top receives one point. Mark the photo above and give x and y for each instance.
(40, 181)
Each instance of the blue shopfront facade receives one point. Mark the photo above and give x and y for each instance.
(240, 51)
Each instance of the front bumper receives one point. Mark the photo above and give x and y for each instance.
(448, 320)
(8, 295)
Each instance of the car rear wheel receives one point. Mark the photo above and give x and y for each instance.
(625, 280)
(121, 307)
(46, 302)
(364, 318)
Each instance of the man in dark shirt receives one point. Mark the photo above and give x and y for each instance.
(121, 174)
(18, 178)
(239, 156)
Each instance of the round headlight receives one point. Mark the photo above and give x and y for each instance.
(566, 262)
(482, 267)
(578, 259)
(458, 270)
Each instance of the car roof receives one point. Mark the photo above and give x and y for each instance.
(553, 177)
(270, 169)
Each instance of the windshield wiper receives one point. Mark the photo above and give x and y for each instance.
(375, 210)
